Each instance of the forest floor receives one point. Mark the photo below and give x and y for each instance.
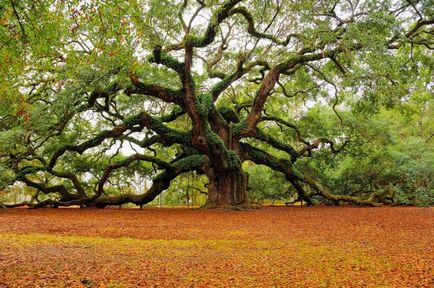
(267, 247)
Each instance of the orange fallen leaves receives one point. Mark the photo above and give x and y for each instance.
(268, 247)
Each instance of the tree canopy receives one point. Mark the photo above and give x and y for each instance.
(98, 94)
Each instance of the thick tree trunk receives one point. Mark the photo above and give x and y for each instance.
(227, 182)
(227, 189)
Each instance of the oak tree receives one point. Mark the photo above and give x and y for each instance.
(198, 86)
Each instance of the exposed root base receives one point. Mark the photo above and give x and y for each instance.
(237, 207)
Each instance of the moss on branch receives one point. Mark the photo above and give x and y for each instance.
(191, 162)
(238, 127)
(218, 147)
(161, 57)
(204, 104)
(211, 31)
(228, 114)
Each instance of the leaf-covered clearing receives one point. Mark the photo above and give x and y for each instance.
(268, 247)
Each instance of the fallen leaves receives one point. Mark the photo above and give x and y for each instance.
(268, 247)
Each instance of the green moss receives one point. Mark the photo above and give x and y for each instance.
(225, 109)
(221, 85)
(214, 21)
(179, 137)
(164, 58)
(157, 125)
(175, 93)
(189, 150)
(213, 138)
(161, 177)
(259, 157)
(176, 112)
(191, 162)
(212, 28)
(172, 135)
(194, 40)
(228, 114)
(238, 127)
(132, 120)
(204, 104)
(234, 161)
(172, 63)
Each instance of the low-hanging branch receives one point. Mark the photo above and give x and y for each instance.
(125, 163)
(142, 119)
(261, 157)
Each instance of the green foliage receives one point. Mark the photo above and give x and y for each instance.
(7, 177)
(396, 161)
(188, 189)
(267, 184)
(28, 170)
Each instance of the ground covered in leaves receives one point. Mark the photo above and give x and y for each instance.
(267, 247)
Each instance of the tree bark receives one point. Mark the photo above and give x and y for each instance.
(226, 189)
(227, 182)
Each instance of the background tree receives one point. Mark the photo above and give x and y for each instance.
(204, 89)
